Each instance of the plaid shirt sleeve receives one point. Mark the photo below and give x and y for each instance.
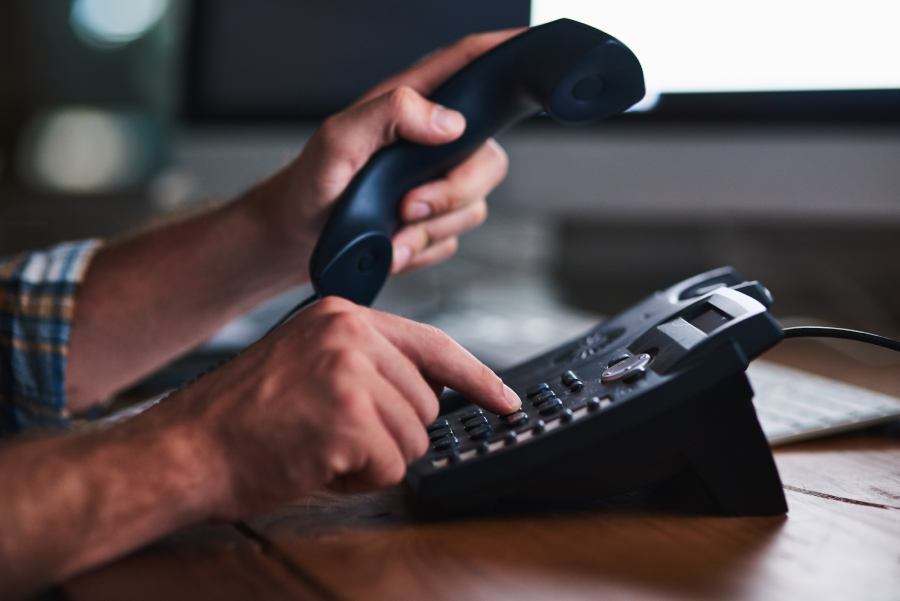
(37, 293)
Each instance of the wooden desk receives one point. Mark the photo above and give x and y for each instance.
(840, 540)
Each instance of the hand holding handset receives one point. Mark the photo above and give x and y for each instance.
(573, 72)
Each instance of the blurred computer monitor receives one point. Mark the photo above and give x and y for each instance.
(298, 60)
(277, 60)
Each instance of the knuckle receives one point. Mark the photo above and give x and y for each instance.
(353, 408)
(342, 325)
(468, 42)
(418, 238)
(442, 203)
(345, 361)
(344, 157)
(334, 304)
(330, 133)
(441, 345)
(337, 461)
(436, 336)
(451, 245)
(401, 100)
(478, 212)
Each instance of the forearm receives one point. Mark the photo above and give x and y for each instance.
(155, 295)
(74, 501)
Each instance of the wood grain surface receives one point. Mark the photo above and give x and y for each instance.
(840, 540)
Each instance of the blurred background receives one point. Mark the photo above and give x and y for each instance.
(769, 140)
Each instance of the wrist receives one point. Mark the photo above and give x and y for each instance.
(137, 481)
(286, 243)
(182, 463)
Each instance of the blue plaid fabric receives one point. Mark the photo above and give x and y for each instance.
(37, 293)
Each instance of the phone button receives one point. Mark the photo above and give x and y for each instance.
(442, 444)
(550, 407)
(438, 425)
(471, 414)
(472, 423)
(632, 367)
(543, 396)
(537, 389)
(568, 377)
(480, 432)
(514, 419)
(439, 434)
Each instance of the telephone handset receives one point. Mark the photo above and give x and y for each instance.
(573, 72)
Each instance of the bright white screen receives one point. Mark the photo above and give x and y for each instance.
(764, 45)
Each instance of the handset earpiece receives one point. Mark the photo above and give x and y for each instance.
(576, 73)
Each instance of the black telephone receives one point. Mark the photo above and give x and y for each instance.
(655, 391)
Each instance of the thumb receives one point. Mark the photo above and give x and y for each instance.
(359, 131)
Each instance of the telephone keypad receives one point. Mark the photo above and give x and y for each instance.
(543, 396)
(447, 442)
(537, 389)
(552, 403)
(568, 378)
(438, 425)
(471, 414)
(472, 424)
(436, 436)
(550, 407)
(514, 419)
(473, 432)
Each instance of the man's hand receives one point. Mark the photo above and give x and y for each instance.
(155, 295)
(339, 397)
(297, 200)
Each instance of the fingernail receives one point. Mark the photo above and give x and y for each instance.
(402, 255)
(512, 399)
(446, 120)
(418, 210)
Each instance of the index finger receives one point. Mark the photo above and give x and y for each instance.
(443, 360)
(435, 68)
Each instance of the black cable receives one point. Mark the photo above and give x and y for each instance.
(297, 308)
(824, 332)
